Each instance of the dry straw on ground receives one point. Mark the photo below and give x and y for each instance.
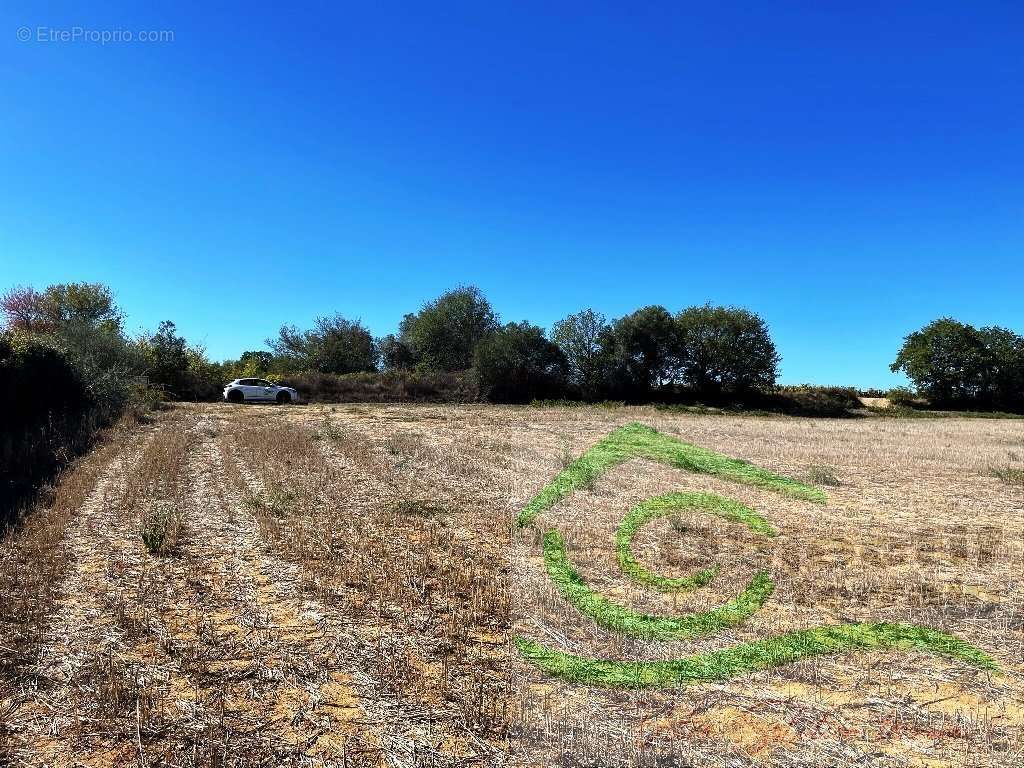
(345, 581)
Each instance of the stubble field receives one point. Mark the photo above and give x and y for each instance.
(359, 586)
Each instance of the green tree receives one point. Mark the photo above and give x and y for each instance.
(947, 361)
(724, 349)
(166, 356)
(179, 370)
(517, 364)
(1004, 375)
(395, 354)
(641, 347)
(59, 306)
(443, 335)
(253, 363)
(581, 337)
(333, 345)
(82, 322)
(81, 303)
(954, 363)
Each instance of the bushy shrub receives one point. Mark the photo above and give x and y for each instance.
(48, 415)
(68, 369)
(395, 355)
(872, 392)
(384, 387)
(811, 400)
(517, 364)
(902, 397)
(333, 345)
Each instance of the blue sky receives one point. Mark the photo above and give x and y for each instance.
(848, 170)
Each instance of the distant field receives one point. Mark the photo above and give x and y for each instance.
(476, 585)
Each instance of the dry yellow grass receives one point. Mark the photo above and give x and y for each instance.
(346, 582)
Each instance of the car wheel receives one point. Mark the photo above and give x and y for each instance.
(283, 398)
(235, 396)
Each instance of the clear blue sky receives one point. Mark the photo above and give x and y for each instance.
(848, 170)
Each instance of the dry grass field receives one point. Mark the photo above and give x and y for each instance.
(344, 586)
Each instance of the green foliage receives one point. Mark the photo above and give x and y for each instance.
(640, 441)
(1009, 475)
(518, 364)
(160, 529)
(395, 354)
(724, 349)
(40, 381)
(253, 364)
(333, 345)
(583, 337)
(59, 306)
(753, 656)
(823, 474)
(955, 364)
(642, 350)
(709, 351)
(67, 370)
(385, 387)
(166, 356)
(180, 371)
(444, 334)
(82, 322)
(902, 397)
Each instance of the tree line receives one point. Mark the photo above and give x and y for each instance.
(69, 366)
(704, 352)
(711, 351)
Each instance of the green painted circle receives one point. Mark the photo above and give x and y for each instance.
(670, 503)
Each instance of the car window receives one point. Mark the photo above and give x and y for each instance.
(262, 383)
(248, 382)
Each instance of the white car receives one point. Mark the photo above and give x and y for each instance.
(259, 391)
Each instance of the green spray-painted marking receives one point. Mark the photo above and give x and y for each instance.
(639, 441)
(670, 503)
(750, 657)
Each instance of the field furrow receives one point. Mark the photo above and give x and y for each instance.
(329, 504)
(78, 674)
